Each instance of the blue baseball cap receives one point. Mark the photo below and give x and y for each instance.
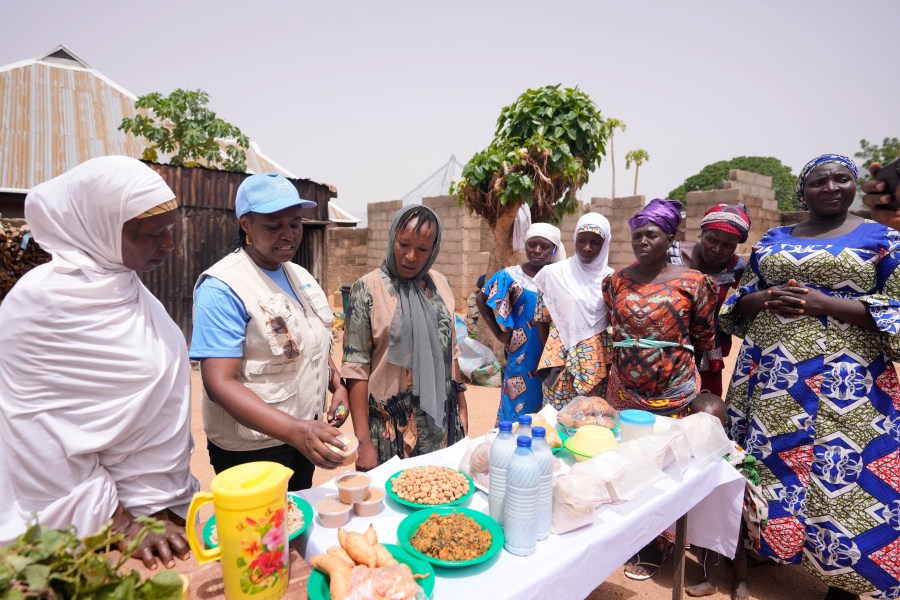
(267, 193)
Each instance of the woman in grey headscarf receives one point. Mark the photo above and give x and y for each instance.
(400, 349)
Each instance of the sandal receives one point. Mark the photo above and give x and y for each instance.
(649, 567)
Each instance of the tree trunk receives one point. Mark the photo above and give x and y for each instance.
(612, 162)
(502, 256)
(637, 168)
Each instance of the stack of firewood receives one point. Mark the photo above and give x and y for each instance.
(15, 260)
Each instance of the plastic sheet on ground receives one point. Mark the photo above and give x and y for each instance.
(476, 361)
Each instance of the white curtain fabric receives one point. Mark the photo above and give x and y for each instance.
(520, 227)
(572, 290)
(94, 375)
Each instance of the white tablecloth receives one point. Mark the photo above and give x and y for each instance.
(575, 563)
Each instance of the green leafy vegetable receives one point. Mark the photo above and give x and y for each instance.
(48, 563)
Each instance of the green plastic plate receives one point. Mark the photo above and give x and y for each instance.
(389, 490)
(299, 502)
(410, 524)
(317, 584)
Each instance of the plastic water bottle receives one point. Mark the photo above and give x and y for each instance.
(524, 427)
(544, 457)
(502, 449)
(521, 516)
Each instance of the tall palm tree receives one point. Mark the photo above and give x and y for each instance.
(638, 157)
(611, 125)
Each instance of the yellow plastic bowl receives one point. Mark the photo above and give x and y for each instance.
(589, 441)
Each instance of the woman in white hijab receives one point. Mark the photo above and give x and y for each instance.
(94, 376)
(573, 317)
(507, 302)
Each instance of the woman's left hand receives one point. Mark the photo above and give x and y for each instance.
(816, 303)
(794, 300)
(339, 409)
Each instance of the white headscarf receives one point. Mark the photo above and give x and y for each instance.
(551, 233)
(572, 289)
(94, 377)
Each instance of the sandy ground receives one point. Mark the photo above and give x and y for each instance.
(766, 582)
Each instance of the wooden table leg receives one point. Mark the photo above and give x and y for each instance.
(680, 537)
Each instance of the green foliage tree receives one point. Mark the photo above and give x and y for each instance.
(714, 176)
(182, 125)
(611, 125)
(869, 153)
(545, 146)
(637, 157)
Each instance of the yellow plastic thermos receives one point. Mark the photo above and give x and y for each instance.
(250, 502)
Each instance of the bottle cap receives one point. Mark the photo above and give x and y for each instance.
(538, 431)
(523, 441)
(504, 425)
(525, 420)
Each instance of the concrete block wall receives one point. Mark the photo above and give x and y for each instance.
(380, 215)
(347, 260)
(461, 259)
(618, 211)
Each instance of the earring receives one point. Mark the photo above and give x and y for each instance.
(249, 241)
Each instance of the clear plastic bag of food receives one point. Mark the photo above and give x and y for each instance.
(393, 582)
(705, 435)
(668, 449)
(476, 462)
(570, 510)
(586, 410)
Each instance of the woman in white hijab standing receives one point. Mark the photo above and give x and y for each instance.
(507, 302)
(94, 376)
(573, 317)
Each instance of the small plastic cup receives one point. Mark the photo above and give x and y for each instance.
(332, 512)
(634, 424)
(371, 506)
(351, 444)
(352, 486)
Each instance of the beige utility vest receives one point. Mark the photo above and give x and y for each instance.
(296, 386)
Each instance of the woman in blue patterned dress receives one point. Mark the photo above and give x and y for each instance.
(814, 396)
(512, 295)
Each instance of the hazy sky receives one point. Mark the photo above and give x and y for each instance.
(374, 96)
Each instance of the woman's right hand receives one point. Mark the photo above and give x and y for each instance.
(312, 439)
(367, 457)
(167, 546)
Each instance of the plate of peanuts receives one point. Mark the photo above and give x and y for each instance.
(429, 487)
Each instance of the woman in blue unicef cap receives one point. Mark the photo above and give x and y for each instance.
(262, 334)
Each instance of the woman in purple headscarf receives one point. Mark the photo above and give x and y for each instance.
(661, 314)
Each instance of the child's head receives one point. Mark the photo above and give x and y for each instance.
(711, 404)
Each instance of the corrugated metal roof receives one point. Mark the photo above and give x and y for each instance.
(336, 214)
(56, 111)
